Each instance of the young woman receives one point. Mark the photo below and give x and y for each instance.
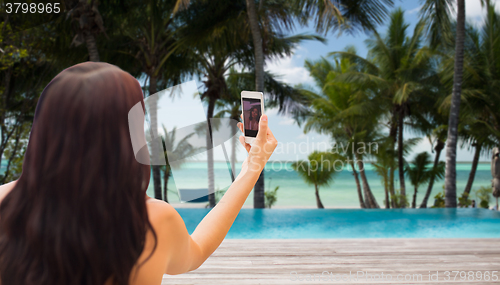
(253, 119)
(79, 213)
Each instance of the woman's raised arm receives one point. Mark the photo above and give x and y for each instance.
(189, 252)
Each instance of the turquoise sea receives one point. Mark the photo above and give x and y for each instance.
(294, 192)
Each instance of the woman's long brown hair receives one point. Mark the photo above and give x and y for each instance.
(77, 215)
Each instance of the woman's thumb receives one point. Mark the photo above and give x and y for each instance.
(262, 127)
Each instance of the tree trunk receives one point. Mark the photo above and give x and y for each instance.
(92, 48)
(391, 187)
(318, 200)
(210, 153)
(257, 44)
(166, 175)
(472, 173)
(3, 110)
(414, 201)
(155, 147)
(258, 191)
(438, 148)
(358, 186)
(386, 190)
(392, 134)
(451, 146)
(402, 190)
(19, 128)
(371, 201)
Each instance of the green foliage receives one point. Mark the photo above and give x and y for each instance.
(484, 204)
(438, 15)
(363, 15)
(317, 170)
(484, 195)
(399, 199)
(419, 171)
(167, 39)
(271, 197)
(175, 150)
(344, 110)
(11, 52)
(464, 201)
(25, 69)
(439, 200)
(397, 76)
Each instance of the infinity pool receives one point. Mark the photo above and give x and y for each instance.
(354, 223)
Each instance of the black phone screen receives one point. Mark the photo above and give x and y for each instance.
(251, 116)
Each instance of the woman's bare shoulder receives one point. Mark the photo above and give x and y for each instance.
(166, 221)
(6, 188)
(168, 225)
(159, 210)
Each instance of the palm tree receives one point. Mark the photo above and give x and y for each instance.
(259, 191)
(230, 106)
(440, 11)
(440, 135)
(349, 15)
(315, 172)
(89, 23)
(478, 120)
(223, 44)
(419, 173)
(215, 56)
(176, 151)
(480, 79)
(154, 33)
(347, 156)
(450, 181)
(429, 120)
(474, 131)
(385, 164)
(400, 72)
(344, 111)
(261, 21)
(437, 14)
(408, 70)
(27, 65)
(271, 197)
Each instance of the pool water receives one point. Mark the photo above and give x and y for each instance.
(354, 223)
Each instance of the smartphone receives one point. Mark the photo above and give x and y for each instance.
(253, 107)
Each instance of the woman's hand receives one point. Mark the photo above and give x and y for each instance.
(262, 147)
(209, 234)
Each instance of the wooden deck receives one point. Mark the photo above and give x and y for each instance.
(274, 261)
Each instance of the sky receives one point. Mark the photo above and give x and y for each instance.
(293, 143)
